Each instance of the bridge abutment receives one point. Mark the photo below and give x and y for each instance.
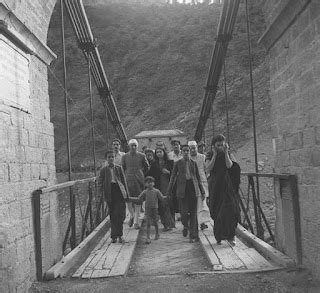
(26, 134)
(293, 41)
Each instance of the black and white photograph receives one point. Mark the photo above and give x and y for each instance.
(159, 146)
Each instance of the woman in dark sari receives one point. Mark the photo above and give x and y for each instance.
(224, 181)
(160, 170)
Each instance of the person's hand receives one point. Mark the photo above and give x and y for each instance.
(214, 153)
(165, 171)
(226, 148)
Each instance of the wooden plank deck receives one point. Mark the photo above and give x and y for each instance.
(109, 259)
(171, 254)
(228, 258)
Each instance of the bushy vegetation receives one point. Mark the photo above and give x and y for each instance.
(156, 59)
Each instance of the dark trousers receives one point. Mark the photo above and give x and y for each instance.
(188, 210)
(117, 209)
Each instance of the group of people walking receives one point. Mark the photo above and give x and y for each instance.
(185, 181)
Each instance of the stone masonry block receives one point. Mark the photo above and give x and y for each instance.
(47, 156)
(289, 124)
(4, 173)
(33, 155)
(309, 137)
(316, 156)
(293, 141)
(314, 10)
(317, 134)
(314, 117)
(33, 139)
(306, 37)
(35, 171)
(309, 175)
(20, 155)
(301, 157)
(4, 213)
(301, 24)
(289, 107)
(4, 135)
(29, 123)
(26, 209)
(306, 81)
(15, 172)
(284, 159)
(43, 171)
(26, 172)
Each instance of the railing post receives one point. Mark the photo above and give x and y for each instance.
(256, 204)
(296, 215)
(37, 232)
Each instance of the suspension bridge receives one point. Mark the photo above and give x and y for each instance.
(86, 244)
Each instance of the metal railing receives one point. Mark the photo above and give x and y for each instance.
(254, 212)
(87, 211)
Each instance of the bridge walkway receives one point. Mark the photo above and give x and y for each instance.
(171, 254)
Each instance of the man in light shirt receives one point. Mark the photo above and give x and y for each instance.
(116, 146)
(175, 155)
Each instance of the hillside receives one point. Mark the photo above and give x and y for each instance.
(156, 59)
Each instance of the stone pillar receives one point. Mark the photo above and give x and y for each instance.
(293, 42)
(26, 134)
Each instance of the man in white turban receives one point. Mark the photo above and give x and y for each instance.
(135, 166)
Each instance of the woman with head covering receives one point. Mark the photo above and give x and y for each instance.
(223, 183)
(160, 170)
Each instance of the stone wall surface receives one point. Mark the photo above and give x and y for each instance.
(26, 151)
(295, 90)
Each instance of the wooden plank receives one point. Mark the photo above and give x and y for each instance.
(228, 257)
(109, 257)
(240, 244)
(123, 261)
(98, 255)
(65, 264)
(87, 273)
(258, 258)
(211, 256)
(65, 184)
(264, 248)
(100, 273)
(246, 259)
(81, 269)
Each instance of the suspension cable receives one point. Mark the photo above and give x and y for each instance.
(92, 119)
(65, 95)
(226, 101)
(260, 229)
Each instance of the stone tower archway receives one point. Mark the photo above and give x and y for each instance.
(26, 134)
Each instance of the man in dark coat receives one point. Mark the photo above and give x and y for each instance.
(113, 186)
(186, 175)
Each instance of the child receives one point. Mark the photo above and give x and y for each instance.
(151, 196)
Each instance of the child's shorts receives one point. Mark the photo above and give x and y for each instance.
(152, 215)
